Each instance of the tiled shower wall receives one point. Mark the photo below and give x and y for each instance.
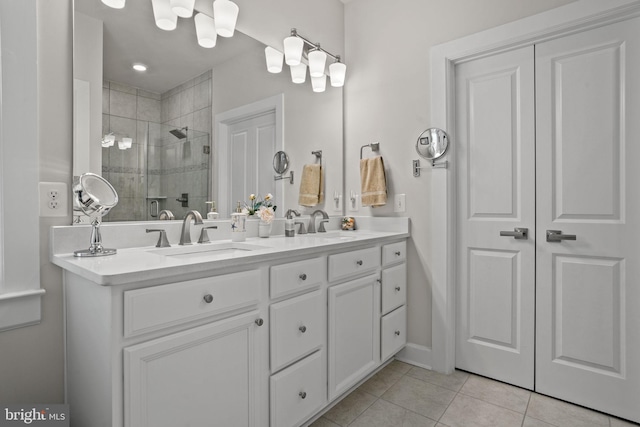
(126, 111)
(175, 166)
(186, 167)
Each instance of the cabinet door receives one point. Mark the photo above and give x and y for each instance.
(209, 375)
(354, 332)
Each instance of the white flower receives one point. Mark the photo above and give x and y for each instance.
(265, 214)
(269, 196)
(245, 211)
(252, 197)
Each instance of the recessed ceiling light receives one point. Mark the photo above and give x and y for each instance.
(139, 67)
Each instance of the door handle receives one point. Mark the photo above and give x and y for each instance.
(557, 236)
(517, 233)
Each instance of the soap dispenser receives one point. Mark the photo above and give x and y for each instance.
(238, 207)
(289, 223)
(212, 214)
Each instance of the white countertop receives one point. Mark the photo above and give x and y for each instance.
(149, 263)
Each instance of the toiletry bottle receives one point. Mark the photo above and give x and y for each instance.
(212, 214)
(289, 223)
(238, 207)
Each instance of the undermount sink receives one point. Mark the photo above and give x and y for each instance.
(208, 250)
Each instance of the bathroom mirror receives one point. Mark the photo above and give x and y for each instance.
(432, 143)
(280, 162)
(185, 87)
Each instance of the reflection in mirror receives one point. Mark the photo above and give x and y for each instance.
(140, 116)
(432, 143)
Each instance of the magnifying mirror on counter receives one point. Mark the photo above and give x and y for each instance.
(95, 197)
(432, 144)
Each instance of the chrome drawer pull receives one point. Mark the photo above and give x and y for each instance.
(259, 322)
(398, 333)
(302, 394)
(208, 298)
(359, 262)
(303, 276)
(398, 253)
(302, 329)
(397, 288)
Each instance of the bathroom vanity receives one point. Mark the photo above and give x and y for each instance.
(263, 332)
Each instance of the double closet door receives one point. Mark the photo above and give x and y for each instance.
(548, 217)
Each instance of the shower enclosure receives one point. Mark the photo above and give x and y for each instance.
(167, 167)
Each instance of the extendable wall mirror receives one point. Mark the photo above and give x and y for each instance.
(95, 197)
(432, 144)
(280, 162)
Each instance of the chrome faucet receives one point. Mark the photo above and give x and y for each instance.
(185, 235)
(166, 214)
(312, 222)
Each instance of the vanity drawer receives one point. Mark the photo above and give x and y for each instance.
(296, 276)
(393, 332)
(159, 307)
(394, 252)
(297, 328)
(394, 287)
(351, 263)
(298, 391)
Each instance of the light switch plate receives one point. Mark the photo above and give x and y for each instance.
(54, 199)
(353, 202)
(400, 203)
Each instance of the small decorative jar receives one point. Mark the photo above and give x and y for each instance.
(264, 229)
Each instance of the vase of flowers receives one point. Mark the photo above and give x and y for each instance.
(264, 209)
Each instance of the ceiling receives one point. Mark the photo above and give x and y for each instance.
(172, 57)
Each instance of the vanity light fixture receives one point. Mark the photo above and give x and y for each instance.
(274, 59)
(225, 12)
(125, 143)
(108, 140)
(165, 18)
(319, 84)
(206, 30)
(139, 67)
(182, 8)
(295, 53)
(116, 4)
(299, 73)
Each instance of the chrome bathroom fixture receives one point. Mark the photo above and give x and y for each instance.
(178, 133)
(95, 197)
(375, 147)
(281, 165)
(431, 145)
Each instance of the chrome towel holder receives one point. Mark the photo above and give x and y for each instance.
(375, 147)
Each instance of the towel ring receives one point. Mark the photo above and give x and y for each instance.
(375, 147)
(318, 154)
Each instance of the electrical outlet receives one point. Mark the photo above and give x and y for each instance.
(354, 202)
(400, 203)
(54, 199)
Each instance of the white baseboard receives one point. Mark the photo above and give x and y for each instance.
(415, 354)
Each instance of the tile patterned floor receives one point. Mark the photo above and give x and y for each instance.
(401, 395)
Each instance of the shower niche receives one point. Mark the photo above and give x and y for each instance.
(165, 167)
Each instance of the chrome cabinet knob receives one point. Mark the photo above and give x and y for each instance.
(259, 322)
(359, 262)
(397, 288)
(303, 276)
(208, 298)
(397, 333)
(302, 329)
(302, 394)
(398, 253)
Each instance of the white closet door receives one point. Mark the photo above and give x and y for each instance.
(588, 171)
(495, 154)
(251, 150)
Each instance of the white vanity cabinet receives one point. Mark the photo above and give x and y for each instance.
(393, 328)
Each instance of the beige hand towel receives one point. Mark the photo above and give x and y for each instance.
(311, 192)
(373, 182)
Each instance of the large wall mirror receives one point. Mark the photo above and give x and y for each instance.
(199, 124)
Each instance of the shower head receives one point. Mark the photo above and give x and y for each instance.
(178, 133)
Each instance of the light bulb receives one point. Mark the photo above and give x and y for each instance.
(225, 13)
(319, 83)
(337, 72)
(182, 8)
(293, 50)
(116, 4)
(164, 16)
(108, 140)
(274, 59)
(205, 30)
(299, 73)
(139, 67)
(317, 60)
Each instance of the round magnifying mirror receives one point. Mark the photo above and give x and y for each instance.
(95, 196)
(432, 143)
(280, 162)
